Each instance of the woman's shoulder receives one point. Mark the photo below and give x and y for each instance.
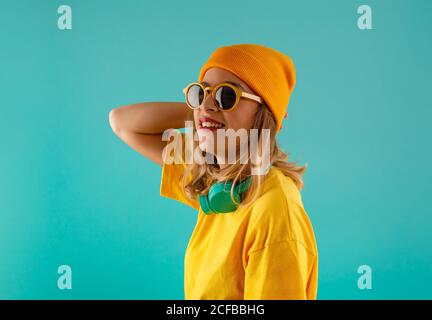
(279, 212)
(278, 188)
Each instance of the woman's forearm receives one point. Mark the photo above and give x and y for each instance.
(150, 117)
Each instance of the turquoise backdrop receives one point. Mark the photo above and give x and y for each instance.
(72, 193)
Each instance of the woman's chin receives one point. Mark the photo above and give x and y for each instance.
(205, 136)
(207, 146)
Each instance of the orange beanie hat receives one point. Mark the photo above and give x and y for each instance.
(268, 72)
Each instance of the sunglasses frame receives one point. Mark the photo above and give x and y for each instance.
(239, 94)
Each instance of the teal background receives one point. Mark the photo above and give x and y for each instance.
(73, 193)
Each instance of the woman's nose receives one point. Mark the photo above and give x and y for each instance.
(208, 103)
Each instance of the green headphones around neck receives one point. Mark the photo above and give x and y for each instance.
(218, 199)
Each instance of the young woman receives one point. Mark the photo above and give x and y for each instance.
(253, 238)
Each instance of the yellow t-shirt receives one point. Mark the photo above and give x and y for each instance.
(266, 251)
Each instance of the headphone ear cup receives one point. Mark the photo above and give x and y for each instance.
(219, 198)
(243, 186)
(204, 203)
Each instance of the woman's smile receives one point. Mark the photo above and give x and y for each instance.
(206, 123)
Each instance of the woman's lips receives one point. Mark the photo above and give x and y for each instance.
(207, 128)
(206, 119)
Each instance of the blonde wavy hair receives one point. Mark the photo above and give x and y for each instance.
(198, 178)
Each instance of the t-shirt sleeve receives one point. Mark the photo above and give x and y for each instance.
(170, 186)
(281, 271)
(280, 255)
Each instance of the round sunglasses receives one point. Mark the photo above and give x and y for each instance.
(226, 96)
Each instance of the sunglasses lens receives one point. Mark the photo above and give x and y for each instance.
(195, 96)
(226, 97)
